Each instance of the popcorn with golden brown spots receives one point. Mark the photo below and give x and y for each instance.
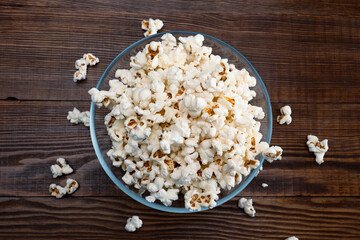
(180, 122)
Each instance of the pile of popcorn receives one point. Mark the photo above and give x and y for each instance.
(180, 122)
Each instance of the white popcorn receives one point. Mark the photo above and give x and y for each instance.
(90, 59)
(56, 170)
(292, 238)
(133, 223)
(76, 117)
(264, 185)
(194, 105)
(272, 153)
(60, 168)
(71, 186)
(317, 147)
(180, 122)
(82, 63)
(57, 191)
(247, 205)
(151, 26)
(150, 199)
(167, 197)
(285, 115)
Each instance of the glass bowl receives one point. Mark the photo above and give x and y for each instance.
(102, 143)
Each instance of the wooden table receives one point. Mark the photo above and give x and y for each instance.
(308, 54)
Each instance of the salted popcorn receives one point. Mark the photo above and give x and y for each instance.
(247, 205)
(71, 186)
(264, 185)
(57, 191)
(82, 64)
(133, 223)
(285, 115)
(272, 153)
(151, 26)
(292, 238)
(76, 117)
(180, 122)
(317, 147)
(61, 167)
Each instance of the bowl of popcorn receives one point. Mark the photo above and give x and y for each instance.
(179, 121)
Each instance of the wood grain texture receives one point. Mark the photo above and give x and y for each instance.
(105, 218)
(307, 53)
(301, 58)
(34, 133)
(321, 7)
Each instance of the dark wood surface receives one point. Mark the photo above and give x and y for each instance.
(308, 54)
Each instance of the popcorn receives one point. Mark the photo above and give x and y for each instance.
(292, 238)
(90, 59)
(247, 205)
(133, 223)
(151, 26)
(60, 168)
(167, 197)
(150, 199)
(57, 191)
(318, 148)
(76, 117)
(264, 185)
(272, 153)
(285, 115)
(194, 105)
(82, 63)
(71, 186)
(56, 170)
(180, 122)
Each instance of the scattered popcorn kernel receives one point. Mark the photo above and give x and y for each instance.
(71, 186)
(317, 147)
(264, 185)
(57, 191)
(285, 115)
(272, 153)
(56, 170)
(76, 117)
(292, 238)
(133, 223)
(60, 168)
(247, 205)
(151, 26)
(79, 75)
(180, 122)
(81, 66)
(90, 59)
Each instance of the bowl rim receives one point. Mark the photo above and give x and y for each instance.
(127, 190)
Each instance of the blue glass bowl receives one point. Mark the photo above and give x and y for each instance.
(101, 141)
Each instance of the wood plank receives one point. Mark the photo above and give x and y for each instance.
(105, 218)
(334, 7)
(34, 133)
(301, 58)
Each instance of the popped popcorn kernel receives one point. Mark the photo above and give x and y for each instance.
(272, 153)
(76, 117)
(318, 148)
(151, 26)
(292, 238)
(81, 66)
(264, 185)
(57, 191)
(61, 167)
(285, 115)
(71, 186)
(133, 223)
(247, 205)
